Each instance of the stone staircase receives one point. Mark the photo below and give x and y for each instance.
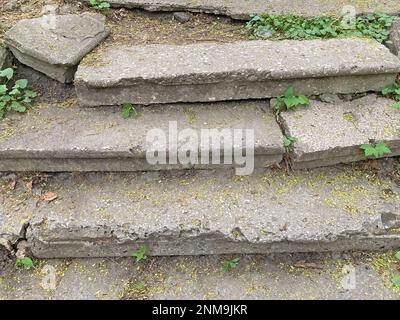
(108, 199)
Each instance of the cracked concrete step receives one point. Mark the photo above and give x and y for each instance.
(239, 9)
(210, 212)
(285, 276)
(65, 137)
(233, 71)
(330, 134)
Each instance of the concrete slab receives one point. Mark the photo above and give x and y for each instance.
(63, 137)
(328, 135)
(346, 276)
(354, 276)
(239, 9)
(55, 44)
(210, 212)
(233, 71)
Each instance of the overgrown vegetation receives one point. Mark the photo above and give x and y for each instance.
(376, 150)
(374, 25)
(393, 92)
(290, 101)
(14, 95)
(101, 5)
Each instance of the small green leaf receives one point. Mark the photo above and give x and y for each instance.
(127, 110)
(230, 264)
(26, 263)
(7, 73)
(18, 107)
(397, 255)
(396, 281)
(21, 84)
(289, 93)
(396, 106)
(3, 89)
(140, 254)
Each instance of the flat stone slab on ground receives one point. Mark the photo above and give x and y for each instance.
(240, 9)
(330, 134)
(64, 137)
(233, 71)
(55, 44)
(216, 212)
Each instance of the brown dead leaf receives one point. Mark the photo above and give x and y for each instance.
(49, 196)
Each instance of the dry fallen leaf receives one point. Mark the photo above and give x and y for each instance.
(49, 196)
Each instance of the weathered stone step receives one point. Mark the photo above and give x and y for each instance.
(240, 9)
(277, 277)
(66, 138)
(328, 134)
(212, 212)
(233, 71)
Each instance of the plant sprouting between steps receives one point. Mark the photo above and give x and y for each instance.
(140, 254)
(393, 92)
(230, 264)
(374, 25)
(128, 110)
(290, 101)
(14, 95)
(376, 150)
(101, 5)
(396, 279)
(25, 263)
(288, 143)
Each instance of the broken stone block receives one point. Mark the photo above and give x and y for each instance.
(331, 134)
(55, 44)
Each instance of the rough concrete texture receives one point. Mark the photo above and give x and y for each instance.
(327, 135)
(55, 44)
(347, 276)
(16, 209)
(239, 9)
(63, 137)
(5, 58)
(394, 43)
(215, 212)
(233, 71)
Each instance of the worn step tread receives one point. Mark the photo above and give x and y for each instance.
(240, 9)
(215, 212)
(64, 137)
(328, 134)
(233, 71)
